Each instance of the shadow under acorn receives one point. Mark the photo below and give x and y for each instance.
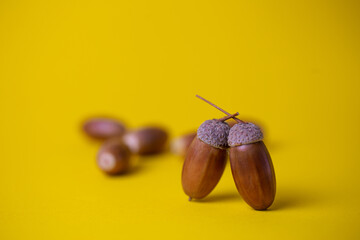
(296, 198)
(220, 197)
(286, 199)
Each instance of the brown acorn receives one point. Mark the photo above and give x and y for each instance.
(205, 159)
(180, 145)
(103, 128)
(146, 140)
(251, 165)
(114, 157)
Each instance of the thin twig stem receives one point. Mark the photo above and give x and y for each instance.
(220, 109)
(228, 117)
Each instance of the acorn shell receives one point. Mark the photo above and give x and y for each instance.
(180, 145)
(244, 133)
(203, 168)
(253, 173)
(114, 157)
(103, 128)
(214, 133)
(146, 140)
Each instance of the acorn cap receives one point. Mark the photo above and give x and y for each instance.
(214, 133)
(244, 133)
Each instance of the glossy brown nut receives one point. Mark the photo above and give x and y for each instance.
(180, 145)
(203, 168)
(147, 140)
(114, 157)
(103, 128)
(253, 173)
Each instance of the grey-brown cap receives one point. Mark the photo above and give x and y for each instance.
(244, 133)
(214, 133)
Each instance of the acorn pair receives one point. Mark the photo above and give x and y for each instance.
(250, 161)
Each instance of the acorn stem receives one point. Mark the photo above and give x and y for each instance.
(228, 117)
(220, 109)
(190, 198)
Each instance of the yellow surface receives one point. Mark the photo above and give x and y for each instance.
(292, 67)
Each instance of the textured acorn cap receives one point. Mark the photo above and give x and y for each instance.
(214, 133)
(244, 133)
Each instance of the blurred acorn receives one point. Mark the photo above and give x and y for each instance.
(115, 157)
(180, 145)
(146, 140)
(103, 128)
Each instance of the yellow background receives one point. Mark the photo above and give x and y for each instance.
(293, 66)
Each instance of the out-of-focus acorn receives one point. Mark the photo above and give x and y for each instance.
(251, 165)
(180, 145)
(205, 159)
(147, 140)
(103, 128)
(115, 157)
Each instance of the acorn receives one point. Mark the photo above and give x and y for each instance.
(114, 157)
(180, 145)
(250, 162)
(146, 140)
(205, 159)
(103, 128)
(251, 165)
